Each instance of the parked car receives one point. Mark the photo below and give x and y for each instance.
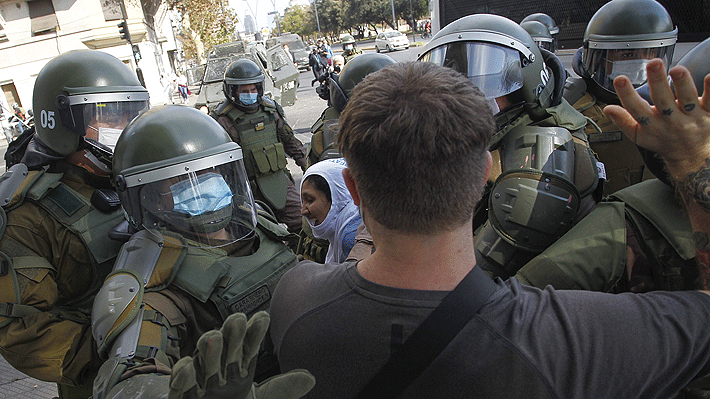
(391, 41)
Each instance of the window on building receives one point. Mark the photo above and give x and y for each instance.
(42, 15)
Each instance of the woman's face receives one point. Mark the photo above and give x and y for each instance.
(314, 203)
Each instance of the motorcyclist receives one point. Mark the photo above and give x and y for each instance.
(60, 206)
(620, 39)
(257, 123)
(545, 177)
(201, 250)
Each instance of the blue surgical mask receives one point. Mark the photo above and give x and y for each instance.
(207, 193)
(248, 98)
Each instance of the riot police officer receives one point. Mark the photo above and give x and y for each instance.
(325, 131)
(350, 49)
(60, 207)
(549, 23)
(539, 33)
(201, 250)
(620, 39)
(257, 124)
(544, 177)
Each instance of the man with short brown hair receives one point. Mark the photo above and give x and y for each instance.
(416, 168)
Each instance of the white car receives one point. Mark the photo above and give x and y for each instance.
(391, 41)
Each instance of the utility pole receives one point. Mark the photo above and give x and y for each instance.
(276, 17)
(317, 22)
(126, 35)
(394, 20)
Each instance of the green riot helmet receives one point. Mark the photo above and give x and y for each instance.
(239, 73)
(498, 56)
(85, 93)
(622, 36)
(539, 33)
(353, 73)
(177, 171)
(548, 22)
(348, 43)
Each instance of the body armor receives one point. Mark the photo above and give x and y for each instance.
(74, 212)
(264, 155)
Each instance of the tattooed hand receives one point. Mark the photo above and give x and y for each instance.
(677, 129)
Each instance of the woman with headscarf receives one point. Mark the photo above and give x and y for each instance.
(327, 205)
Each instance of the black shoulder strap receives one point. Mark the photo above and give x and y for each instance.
(431, 337)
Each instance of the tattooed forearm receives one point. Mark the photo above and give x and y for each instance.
(696, 187)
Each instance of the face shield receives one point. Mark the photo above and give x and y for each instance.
(494, 69)
(545, 43)
(347, 47)
(207, 201)
(102, 116)
(604, 62)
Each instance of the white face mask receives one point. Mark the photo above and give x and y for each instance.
(635, 70)
(109, 136)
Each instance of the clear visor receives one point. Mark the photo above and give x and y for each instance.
(495, 70)
(604, 65)
(104, 122)
(212, 207)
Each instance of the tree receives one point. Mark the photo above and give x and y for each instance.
(299, 19)
(205, 24)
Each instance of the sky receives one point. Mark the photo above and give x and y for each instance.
(260, 9)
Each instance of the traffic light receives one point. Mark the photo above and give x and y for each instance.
(123, 31)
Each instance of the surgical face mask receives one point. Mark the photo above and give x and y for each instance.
(635, 70)
(109, 136)
(248, 98)
(207, 193)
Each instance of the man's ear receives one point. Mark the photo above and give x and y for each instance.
(350, 183)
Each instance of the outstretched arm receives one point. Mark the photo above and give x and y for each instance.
(678, 129)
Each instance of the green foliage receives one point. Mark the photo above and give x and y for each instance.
(210, 22)
(299, 19)
(336, 16)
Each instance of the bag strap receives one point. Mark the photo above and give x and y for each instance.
(431, 337)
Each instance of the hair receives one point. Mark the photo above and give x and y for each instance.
(320, 184)
(415, 137)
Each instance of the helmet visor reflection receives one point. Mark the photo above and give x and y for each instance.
(495, 70)
(104, 121)
(212, 207)
(604, 65)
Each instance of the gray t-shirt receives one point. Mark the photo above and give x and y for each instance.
(524, 342)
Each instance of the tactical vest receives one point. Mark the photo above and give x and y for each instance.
(264, 155)
(234, 284)
(324, 130)
(664, 232)
(74, 212)
(592, 256)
